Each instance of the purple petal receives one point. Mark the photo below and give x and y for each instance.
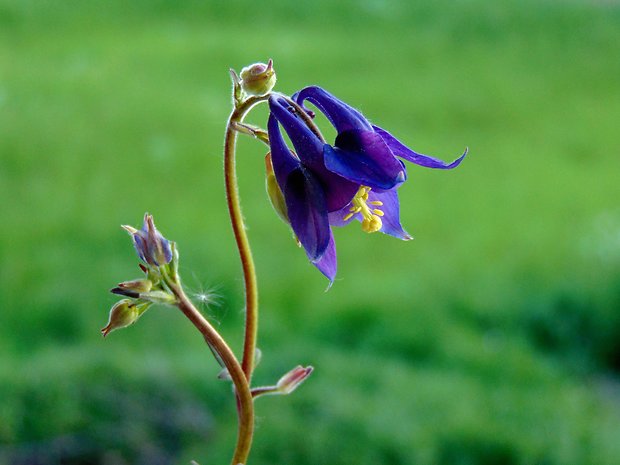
(391, 213)
(338, 191)
(305, 203)
(308, 146)
(341, 115)
(401, 150)
(164, 251)
(336, 218)
(364, 158)
(282, 159)
(328, 263)
(140, 245)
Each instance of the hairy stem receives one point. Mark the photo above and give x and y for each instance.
(236, 218)
(245, 406)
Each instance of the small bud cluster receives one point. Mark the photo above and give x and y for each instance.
(160, 264)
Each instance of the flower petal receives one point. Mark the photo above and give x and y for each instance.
(341, 115)
(282, 159)
(401, 150)
(308, 146)
(391, 213)
(140, 245)
(337, 218)
(338, 191)
(363, 157)
(328, 263)
(390, 221)
(307, 212)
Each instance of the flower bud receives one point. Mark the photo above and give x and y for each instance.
(258, 79)
(122, 314)
(138, 285)
(133, 288)
(150, 245)
(290, 381)
(273, 191)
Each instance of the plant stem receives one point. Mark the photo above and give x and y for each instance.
(236, 218)
(245, 406)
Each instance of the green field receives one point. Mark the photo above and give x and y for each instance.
(493, 338)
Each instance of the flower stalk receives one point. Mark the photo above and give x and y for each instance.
(236, 218)
(245, 405)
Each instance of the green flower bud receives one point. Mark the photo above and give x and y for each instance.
(138, 285)
(258, 79)
(133, 288)
(122, 314)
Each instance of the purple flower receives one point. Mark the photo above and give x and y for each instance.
(151, 246)
(325, 185)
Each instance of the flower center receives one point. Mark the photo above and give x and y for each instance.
(371, 218)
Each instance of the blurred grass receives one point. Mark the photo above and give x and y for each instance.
(490, 339)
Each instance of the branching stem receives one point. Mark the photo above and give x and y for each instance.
(245, 405)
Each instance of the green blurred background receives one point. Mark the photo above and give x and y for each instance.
(493, 338)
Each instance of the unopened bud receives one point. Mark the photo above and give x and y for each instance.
(258, 79)
(122, 314)
(151, 246)
(133, 288)
(138, 285)
(290, 381)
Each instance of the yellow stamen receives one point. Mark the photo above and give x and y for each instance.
(371, 221)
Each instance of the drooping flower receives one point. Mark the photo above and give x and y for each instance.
(151, 246)
(324, 185)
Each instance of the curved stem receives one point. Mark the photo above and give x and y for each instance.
(245, 406)
(236, 218)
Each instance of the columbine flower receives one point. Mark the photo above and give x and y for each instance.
(325, 185)
(309, 189)
(150, 245)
